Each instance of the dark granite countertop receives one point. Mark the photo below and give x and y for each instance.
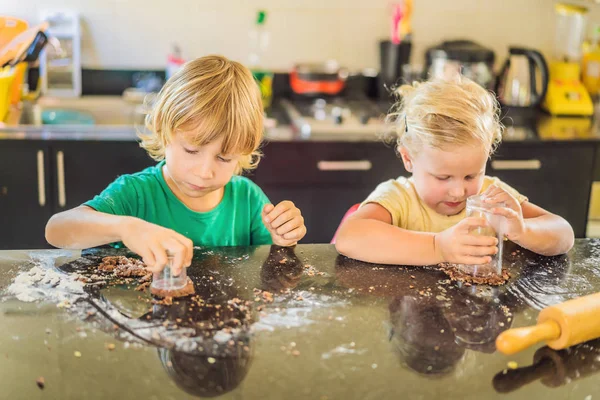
(526, 127)
(336, 329)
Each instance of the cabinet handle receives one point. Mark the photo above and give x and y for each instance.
(505, 165)
(360, 165)
(60, 170)
(41, 178)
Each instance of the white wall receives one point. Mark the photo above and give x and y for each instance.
(138, 33)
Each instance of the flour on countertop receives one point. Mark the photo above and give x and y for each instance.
(44, 282)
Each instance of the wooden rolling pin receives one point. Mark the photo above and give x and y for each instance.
(562, 325)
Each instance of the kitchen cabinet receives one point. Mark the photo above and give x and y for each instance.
(324, 179)
(25, 196)
(83, 169)
(41, 178)
(555, 177)
(322, 208)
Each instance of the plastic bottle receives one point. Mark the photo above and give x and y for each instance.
(259, 41)
(174, 62)
(259, 44)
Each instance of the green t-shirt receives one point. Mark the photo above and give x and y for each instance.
(235, 221)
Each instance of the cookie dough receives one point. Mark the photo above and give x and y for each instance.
(184, 291)
(456, 274)
(123, 267)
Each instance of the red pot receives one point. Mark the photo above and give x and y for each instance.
(318, 79)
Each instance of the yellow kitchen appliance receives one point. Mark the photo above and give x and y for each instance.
(550, 127)
(22, 48)
(9, 28)
(7, 76)
(566, 93)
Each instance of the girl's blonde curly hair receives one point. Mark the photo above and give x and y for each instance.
(215, 98)
(442, 113)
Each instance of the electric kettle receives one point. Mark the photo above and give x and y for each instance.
(517, 85)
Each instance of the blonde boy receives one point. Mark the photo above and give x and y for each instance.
(446, 133)
(205, 129)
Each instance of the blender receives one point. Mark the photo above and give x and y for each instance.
(566, 94)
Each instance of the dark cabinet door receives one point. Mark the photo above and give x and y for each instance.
(557, 178)
(328, 163)
(82, 170)
(324, 179)
(25, 200)
(322, 207)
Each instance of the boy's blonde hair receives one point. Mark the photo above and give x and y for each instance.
(213, 97)
(444, 113)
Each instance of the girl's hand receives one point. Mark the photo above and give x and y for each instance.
(514, 224)
(284, 222)
(457, 245)
(152, 242)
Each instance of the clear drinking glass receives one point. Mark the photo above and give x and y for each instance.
(477, 207)
(166, 280)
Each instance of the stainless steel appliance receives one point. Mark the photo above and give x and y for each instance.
(336, 116)
(518, 84)
(461, 56)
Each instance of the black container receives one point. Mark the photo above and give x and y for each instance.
(391, 59)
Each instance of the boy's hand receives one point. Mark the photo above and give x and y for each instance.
(514, 224)
(284, 222)
(458, 246)
(152, 242)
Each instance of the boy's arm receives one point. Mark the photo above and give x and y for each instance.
(368, 235)
(282, 224)
(285, 223)
(83, 227)
(98, 221)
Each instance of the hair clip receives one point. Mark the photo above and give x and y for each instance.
(405, 124)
